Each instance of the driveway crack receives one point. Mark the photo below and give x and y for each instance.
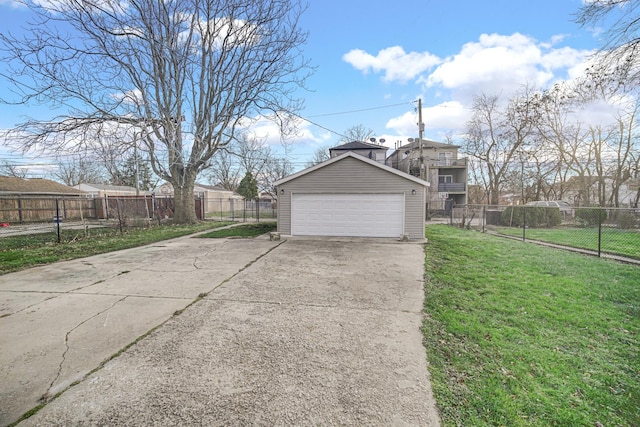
(249, 264)
(56, 294)
(47, 395)
(197, 257)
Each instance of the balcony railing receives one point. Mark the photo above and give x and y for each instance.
(452, 187)
(447, 163)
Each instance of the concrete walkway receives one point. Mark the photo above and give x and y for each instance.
(300, 332)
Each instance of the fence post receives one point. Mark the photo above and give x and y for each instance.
(20, 210)
(119, 215)
(599, 231)
(484, 218)
(524, 222)
(57, 219)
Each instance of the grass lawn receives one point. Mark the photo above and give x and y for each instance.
(245, 230)
(238, 215)
(20, 252)
(525, 335)
(614, 241)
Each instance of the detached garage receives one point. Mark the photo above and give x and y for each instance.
(351, 195)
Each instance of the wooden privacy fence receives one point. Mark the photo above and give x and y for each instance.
(22, 209)
(26, 209)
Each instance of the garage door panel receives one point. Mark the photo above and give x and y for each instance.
(369, 215)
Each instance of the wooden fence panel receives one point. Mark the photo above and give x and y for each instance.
(22, 209)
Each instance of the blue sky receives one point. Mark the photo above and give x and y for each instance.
(374, 58)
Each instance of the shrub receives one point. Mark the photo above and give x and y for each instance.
(533, 216)
(552, 217)
(590, 216)
(512, 216)
(625, 220)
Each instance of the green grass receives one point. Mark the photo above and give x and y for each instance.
(238, 215)
(20, 252)
(525, 335)
(245, 230)
(613, 241)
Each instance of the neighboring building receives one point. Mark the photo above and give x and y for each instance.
(40, 200)
(370, 151)
(217, 199)
(351, 195)
(476, 195)
(446, 172)
(101, 190)
(583, 191)
(10, 185)
(629, 194)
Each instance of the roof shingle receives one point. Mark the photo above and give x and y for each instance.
(10, 184)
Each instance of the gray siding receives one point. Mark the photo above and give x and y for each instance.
(353, 176)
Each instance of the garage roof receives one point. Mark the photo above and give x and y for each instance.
(357, 157)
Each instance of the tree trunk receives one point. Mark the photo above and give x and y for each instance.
(494, 194)
(185, 207)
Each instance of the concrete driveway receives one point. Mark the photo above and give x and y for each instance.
(299, 332)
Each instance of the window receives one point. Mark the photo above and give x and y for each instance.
(444, 158)
(445, 179)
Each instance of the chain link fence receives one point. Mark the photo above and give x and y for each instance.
(232, 209)
(595, 230)
(26, 215)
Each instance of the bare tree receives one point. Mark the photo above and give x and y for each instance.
(111, 151)
(623, 146)
(252, 153)
(594, 157)
(13, 170)
(498, 137)
(356, 133)
(224, 170)
(564, 138)
(78, 170)
(244, 154)
(320, 155)
(618, 58)
(184, 73)
(275, 169)
(635, 173)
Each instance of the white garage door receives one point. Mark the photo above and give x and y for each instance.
(366, 215)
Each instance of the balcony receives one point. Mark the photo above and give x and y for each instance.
(448, 163)
(452, 187)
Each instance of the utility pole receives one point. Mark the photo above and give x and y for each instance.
(420, 132)
(135, 158)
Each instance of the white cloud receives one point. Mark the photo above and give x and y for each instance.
(605, 113)
(498, 64)
(16, 4)
(450, 115)
(130, 97)
(396, 64)
(405, 124)
(266, 129)
(495, 63)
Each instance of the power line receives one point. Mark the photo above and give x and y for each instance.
(361, 110)
(316, 124)
(307, 119)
